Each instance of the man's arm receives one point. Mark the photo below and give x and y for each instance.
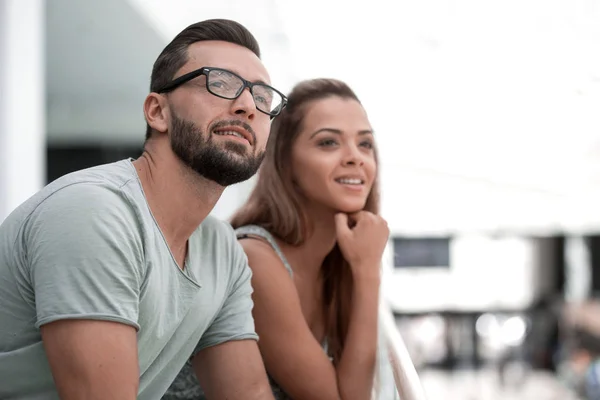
(233, 370)
(84, 254)
(94, 360)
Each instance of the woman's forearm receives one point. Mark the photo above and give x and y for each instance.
(356, 368)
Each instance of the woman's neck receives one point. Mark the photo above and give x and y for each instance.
(320, 240)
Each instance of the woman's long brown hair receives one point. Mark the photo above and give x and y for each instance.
(276, 205)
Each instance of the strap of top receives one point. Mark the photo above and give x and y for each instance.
(255, 230)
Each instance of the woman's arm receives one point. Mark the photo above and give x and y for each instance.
(356, 368)
(292, 355)
(362, 243)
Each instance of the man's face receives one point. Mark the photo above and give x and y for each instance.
(224, 162)
(222, 140)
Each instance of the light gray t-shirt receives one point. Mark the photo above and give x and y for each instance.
(87, 247)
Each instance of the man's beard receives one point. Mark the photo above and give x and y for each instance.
(213, 161)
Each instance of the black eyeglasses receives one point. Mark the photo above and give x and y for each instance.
(228, 85)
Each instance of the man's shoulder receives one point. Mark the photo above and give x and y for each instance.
(94, 189)
(90, 189)
(217, 245)
(216, 230)
(114, 175)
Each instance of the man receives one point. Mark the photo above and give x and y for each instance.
(112, 276)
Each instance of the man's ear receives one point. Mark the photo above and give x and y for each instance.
(156, 111)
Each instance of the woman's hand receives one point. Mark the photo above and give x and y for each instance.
(362, 238)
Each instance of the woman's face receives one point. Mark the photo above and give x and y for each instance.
(333, 157)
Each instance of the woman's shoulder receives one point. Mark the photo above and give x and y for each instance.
(264, 249)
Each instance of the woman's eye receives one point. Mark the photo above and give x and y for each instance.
(367, 145)
(327, 142)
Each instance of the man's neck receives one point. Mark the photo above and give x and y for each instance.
(179, 198)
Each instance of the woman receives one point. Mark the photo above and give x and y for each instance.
(314, 242)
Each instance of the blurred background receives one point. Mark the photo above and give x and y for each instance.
(487, 117)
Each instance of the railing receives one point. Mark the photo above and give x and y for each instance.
(408, 383)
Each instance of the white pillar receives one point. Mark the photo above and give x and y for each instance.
(22, 101)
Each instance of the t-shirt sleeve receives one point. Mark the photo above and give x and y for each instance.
(85, 255)
(234, 321)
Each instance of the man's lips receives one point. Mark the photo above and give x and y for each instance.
(234, 131)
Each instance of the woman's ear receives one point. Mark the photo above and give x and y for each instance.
(156, 112)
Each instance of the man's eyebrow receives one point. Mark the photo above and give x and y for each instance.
(261, 82)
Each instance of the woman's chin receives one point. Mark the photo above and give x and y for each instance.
(350, 208)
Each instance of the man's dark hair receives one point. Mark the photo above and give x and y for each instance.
(175, 55)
